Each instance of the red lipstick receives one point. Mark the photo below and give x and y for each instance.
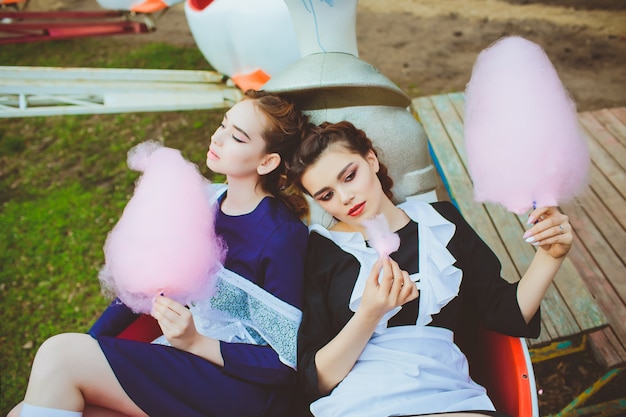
(356, 209)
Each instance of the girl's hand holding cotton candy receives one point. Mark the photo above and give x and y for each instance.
(164, 242)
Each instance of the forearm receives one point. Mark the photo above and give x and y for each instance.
(535, 282)
(207, 348)
(335, 360)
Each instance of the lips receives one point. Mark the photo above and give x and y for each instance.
(356, 210)
(212, 155)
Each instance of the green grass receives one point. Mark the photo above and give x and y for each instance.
(63, 185)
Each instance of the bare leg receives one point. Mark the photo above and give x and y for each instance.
(70, 372)
(90, 411)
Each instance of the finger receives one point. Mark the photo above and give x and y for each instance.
(386, 281)
(560, 233)
(536, 215)
(398, 278)
(375, 273)
(171, 304)
(409, 289)
(549, 226)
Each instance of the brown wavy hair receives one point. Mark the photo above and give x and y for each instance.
(319, 138)
(284, 131)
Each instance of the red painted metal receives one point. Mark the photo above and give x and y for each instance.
(19, 27)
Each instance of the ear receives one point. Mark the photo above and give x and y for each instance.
(269, 163)
(372, 160)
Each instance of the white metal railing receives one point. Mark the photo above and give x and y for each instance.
(47, 91)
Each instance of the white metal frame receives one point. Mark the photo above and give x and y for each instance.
(48, 91)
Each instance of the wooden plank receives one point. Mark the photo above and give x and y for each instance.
(609, 119)
(605, 163)
(620, 113)
(611, 234)
(603, 134)
(610, 197)
(604, 294)
(607, 349)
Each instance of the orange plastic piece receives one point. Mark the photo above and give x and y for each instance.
(150, 6)
(10, 1)
(253, 80)
(500, 365)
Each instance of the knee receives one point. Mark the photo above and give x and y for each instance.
(55, 354)
(15, 412)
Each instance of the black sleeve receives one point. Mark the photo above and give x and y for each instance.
(483, 288)
(329, 280)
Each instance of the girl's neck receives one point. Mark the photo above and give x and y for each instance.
(242, 197)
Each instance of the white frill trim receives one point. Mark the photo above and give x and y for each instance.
(438, 280)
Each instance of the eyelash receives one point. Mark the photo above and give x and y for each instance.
(327, 196)
(233, 136)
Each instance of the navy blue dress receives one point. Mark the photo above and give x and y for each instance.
(266, 246)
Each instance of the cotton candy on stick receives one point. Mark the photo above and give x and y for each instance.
(522, 137)
(380, 237)
(165, 240)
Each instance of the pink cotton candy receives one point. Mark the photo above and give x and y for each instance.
(165, 241)
(380, 237)
(522, 137)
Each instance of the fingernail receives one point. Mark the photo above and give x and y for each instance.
(530, 239)
(527, 234)
(530, 220)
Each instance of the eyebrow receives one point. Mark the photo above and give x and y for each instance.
(323, 190)
(238, 128)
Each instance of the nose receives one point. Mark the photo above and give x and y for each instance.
(346, 195)
(217, 138)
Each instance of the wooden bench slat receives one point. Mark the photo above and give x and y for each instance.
(612, 123)
(611, 198)
(607, 348)
(604, 293)
(594, 124)
(605, 163)
(599, 249)
(611, 234)
(620, 113)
